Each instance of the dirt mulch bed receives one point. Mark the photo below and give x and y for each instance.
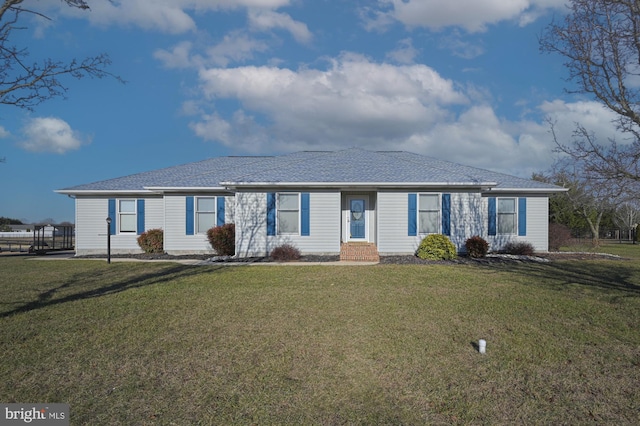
(398, 260)
(502, 258)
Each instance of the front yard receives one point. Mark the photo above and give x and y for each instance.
(160, 343)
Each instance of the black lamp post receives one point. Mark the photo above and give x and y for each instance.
(108, 240)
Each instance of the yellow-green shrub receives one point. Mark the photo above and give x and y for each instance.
(436, 247)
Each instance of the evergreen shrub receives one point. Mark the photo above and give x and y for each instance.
(476, 246)
(559, 236)
(223, 239)
(436, 247)
(285, 253)
(152, 241)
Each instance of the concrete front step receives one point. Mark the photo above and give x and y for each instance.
(359, 252)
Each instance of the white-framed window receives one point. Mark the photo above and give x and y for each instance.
(288, 213)
(507, 216)
(127, 222)
(205, 211)
(429, 213)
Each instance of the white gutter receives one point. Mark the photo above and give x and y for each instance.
(102, 191)
(531, 190)
(187, 189)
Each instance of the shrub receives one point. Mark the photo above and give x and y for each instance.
(476, 246)
(559, 236)
(223, 239)
(436, 247)
(520, 248)
(152, 241)
(285, 252)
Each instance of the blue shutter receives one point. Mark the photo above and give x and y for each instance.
(522, 217)
(140, 211)
(271, 213)
(492, 216)
(112, 214)
(304, 214)
(190, 216)
(413, 215)
(446, 214)
(220, 211)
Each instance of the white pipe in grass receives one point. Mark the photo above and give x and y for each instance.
(482, 346)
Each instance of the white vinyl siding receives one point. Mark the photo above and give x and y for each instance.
(251, 225)
(154, 213)
(467, 218)
(91, 225)
(537, 220)
(176, 240)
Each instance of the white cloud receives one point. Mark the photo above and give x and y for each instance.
(472, 15)
(265, 20)
(589, 114)
(4, 133)
(51, 134)
(353, 101)
(235, 47)
(178, 57)
(356, 102)
(405, 53)
(455, 43)
(170, 16)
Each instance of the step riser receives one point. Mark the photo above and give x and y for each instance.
(359, 253)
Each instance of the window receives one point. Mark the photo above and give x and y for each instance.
(127, 215)
(205, 214)
(429, 214)
(288, 214)
(507, 223)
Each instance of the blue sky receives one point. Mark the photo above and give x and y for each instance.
(460, 80)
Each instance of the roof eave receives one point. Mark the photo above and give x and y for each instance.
(233, 185)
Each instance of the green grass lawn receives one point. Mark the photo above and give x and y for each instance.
(160, 343)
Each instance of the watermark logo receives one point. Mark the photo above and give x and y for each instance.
(34, 414)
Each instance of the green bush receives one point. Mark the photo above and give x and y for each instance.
(436, 247)
(285, 253)
(152, 241)
(223, 239)
(519, 248)
(476, 246)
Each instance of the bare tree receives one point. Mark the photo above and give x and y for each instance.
(590, 194)
(600, 42)
(588, 199)
(26, 84)
(627, 216)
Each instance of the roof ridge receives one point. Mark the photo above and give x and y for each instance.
(230, 166)
(279, 165)
(473, 178)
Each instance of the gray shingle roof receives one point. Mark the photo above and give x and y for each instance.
(354, 165)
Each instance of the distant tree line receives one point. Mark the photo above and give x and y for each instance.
(9, 221)
(6, 221)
